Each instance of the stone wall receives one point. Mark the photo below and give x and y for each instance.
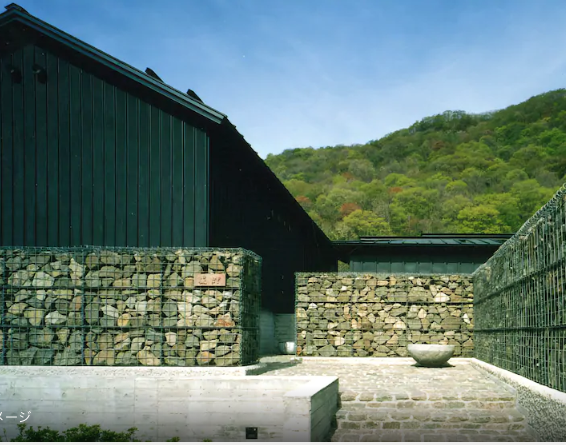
(359, 315)
(128, 307)
(520, 299)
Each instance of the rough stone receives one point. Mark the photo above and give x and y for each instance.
(126, 298)
(147, 358)
(42, 279)
(35, 316)
(384, 314)
(55, 318)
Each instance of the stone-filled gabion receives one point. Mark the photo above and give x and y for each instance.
(521, 299)
(359, 315)
(128, 307)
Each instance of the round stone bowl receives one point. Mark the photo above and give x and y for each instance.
(288, 347)
(431, 356)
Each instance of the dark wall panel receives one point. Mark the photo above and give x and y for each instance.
(6, 152)
(41, 154)
(62, 108)
(84, 162)
(18, 155)
(52, 85)
(76, 155)
(247, 211)
(420, 260)
(30, 156)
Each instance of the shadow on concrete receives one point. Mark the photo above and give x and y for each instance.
(274, 366)
(446, 365)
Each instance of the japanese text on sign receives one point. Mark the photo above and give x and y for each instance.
(22, 415)
(210, 279)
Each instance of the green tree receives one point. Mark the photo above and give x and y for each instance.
(506, 204)
(481, 219)
(362, 169)
(398, 180)
(509, 161)
(450, 208)
(364, 223)
(457, 187)
(530, 196)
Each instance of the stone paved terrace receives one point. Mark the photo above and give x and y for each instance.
(394, 400)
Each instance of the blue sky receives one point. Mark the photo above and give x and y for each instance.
(300, 73)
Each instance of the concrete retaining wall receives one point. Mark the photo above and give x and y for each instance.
(162, 406)
(359, 315)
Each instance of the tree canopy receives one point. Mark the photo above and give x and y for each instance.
(453, 172)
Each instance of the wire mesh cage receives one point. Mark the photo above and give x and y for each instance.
(520, 299)
(129, 306)
(360, 314)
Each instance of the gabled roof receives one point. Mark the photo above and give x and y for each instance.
(190, 101)
(15, 13)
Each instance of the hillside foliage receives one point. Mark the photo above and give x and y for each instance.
(451, 173)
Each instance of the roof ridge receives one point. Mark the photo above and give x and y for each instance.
(14, 11)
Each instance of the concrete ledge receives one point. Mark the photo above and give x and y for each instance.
(543, 407)
(308, 390)
(378, 360)
(167, 402)
(126, 371)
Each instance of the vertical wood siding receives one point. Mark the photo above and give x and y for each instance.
(247, 212)
(85, 163)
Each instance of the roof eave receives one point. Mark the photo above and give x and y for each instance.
(298, 208)
(113, 63)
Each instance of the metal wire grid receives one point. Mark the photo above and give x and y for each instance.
(128, 307)
(358, 341)
(520, 299)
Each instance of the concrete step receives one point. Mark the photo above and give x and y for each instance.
(502, 402)
(439, 435)
(350, 395)
(363, 418)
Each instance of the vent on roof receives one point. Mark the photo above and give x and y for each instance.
(16, 7)
(153, 74)
(194, 95)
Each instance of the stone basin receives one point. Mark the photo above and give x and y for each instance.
(431, 356)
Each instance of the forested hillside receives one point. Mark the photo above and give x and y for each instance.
(453, 172)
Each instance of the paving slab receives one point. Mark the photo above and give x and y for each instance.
(396, 400)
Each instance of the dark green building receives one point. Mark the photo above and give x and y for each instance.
(96, 152)
(426, 254)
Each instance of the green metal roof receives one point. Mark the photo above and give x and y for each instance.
(15, 13)
(449, 240)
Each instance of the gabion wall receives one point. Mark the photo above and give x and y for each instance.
(128, 307)
(359, 315)
(520, 300)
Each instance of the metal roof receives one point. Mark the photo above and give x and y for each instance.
(17, 13)
(449, 240)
